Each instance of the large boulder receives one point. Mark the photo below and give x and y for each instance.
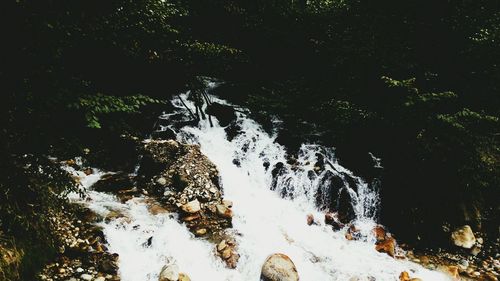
(224, 113)
(463, 237)
(346, 211)
(114, 182)
(279, 267)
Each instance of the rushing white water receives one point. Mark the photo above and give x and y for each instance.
(269, 214)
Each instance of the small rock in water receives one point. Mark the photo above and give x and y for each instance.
(169, 273)
(223, 211)
(404, 276)
(387, 246)
(463, 237)
(227, 203)
(222, 245)
(310, 219)
(184, 277)
(201, 231)
(279, 267)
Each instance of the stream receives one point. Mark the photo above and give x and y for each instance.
(270, 210)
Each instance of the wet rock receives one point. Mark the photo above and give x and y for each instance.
(463, 237)
(404, 276)
(224, 211)
(226, 249)
(227, 203)
(310, 219)
(353, 233)
(169, 273)
(108, 264)
(114, 182)
(332, 219)
(379, 233)
(156, 209)
(224, 113)
(201, 232)
(452, 271)
(184, 277)
(345, 207)
(112, 215)
(166, 134)
(279, 267)
(387, 246)
(191, 207)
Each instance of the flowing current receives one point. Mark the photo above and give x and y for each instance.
(272, 199)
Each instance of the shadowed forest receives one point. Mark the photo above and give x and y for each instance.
(414, 83)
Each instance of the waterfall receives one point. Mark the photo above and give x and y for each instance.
(272, 196)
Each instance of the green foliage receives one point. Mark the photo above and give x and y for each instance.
(32, 190)
(96, 105)
(468, 121)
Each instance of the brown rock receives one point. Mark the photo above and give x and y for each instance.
(226, 253)
(191, 207)
(310, 219)
(157, 209)
(223, 211)
(379, 233)
(279, 267)
(452, 271)
(387, 246)
(221, 246)
(184, 277)
(201, 231)
(227, 203)
(404, 276)
(192, 217)
(463, 237)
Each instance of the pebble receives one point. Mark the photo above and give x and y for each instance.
(86, 277)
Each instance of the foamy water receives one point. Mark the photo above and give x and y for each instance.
(266, 221)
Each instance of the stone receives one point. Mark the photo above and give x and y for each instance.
(452, 271)
(191, 207)
(404, 276)
(223, 211)
(463, 237)
(227, 253)
(222, 245)
(310, 219)
(184, 277)
(227, 203)
(86, 277)
(156, 209)
(387, 246)
(161, 181)
(191, 217)
(100, 279)
(346, 211)
(107, 265)
(114, 182)
(201, 231)
(279, 267)
(169, 273)
(379, 233)
(333, 220)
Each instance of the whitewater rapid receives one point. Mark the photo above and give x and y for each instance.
(266, 220)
